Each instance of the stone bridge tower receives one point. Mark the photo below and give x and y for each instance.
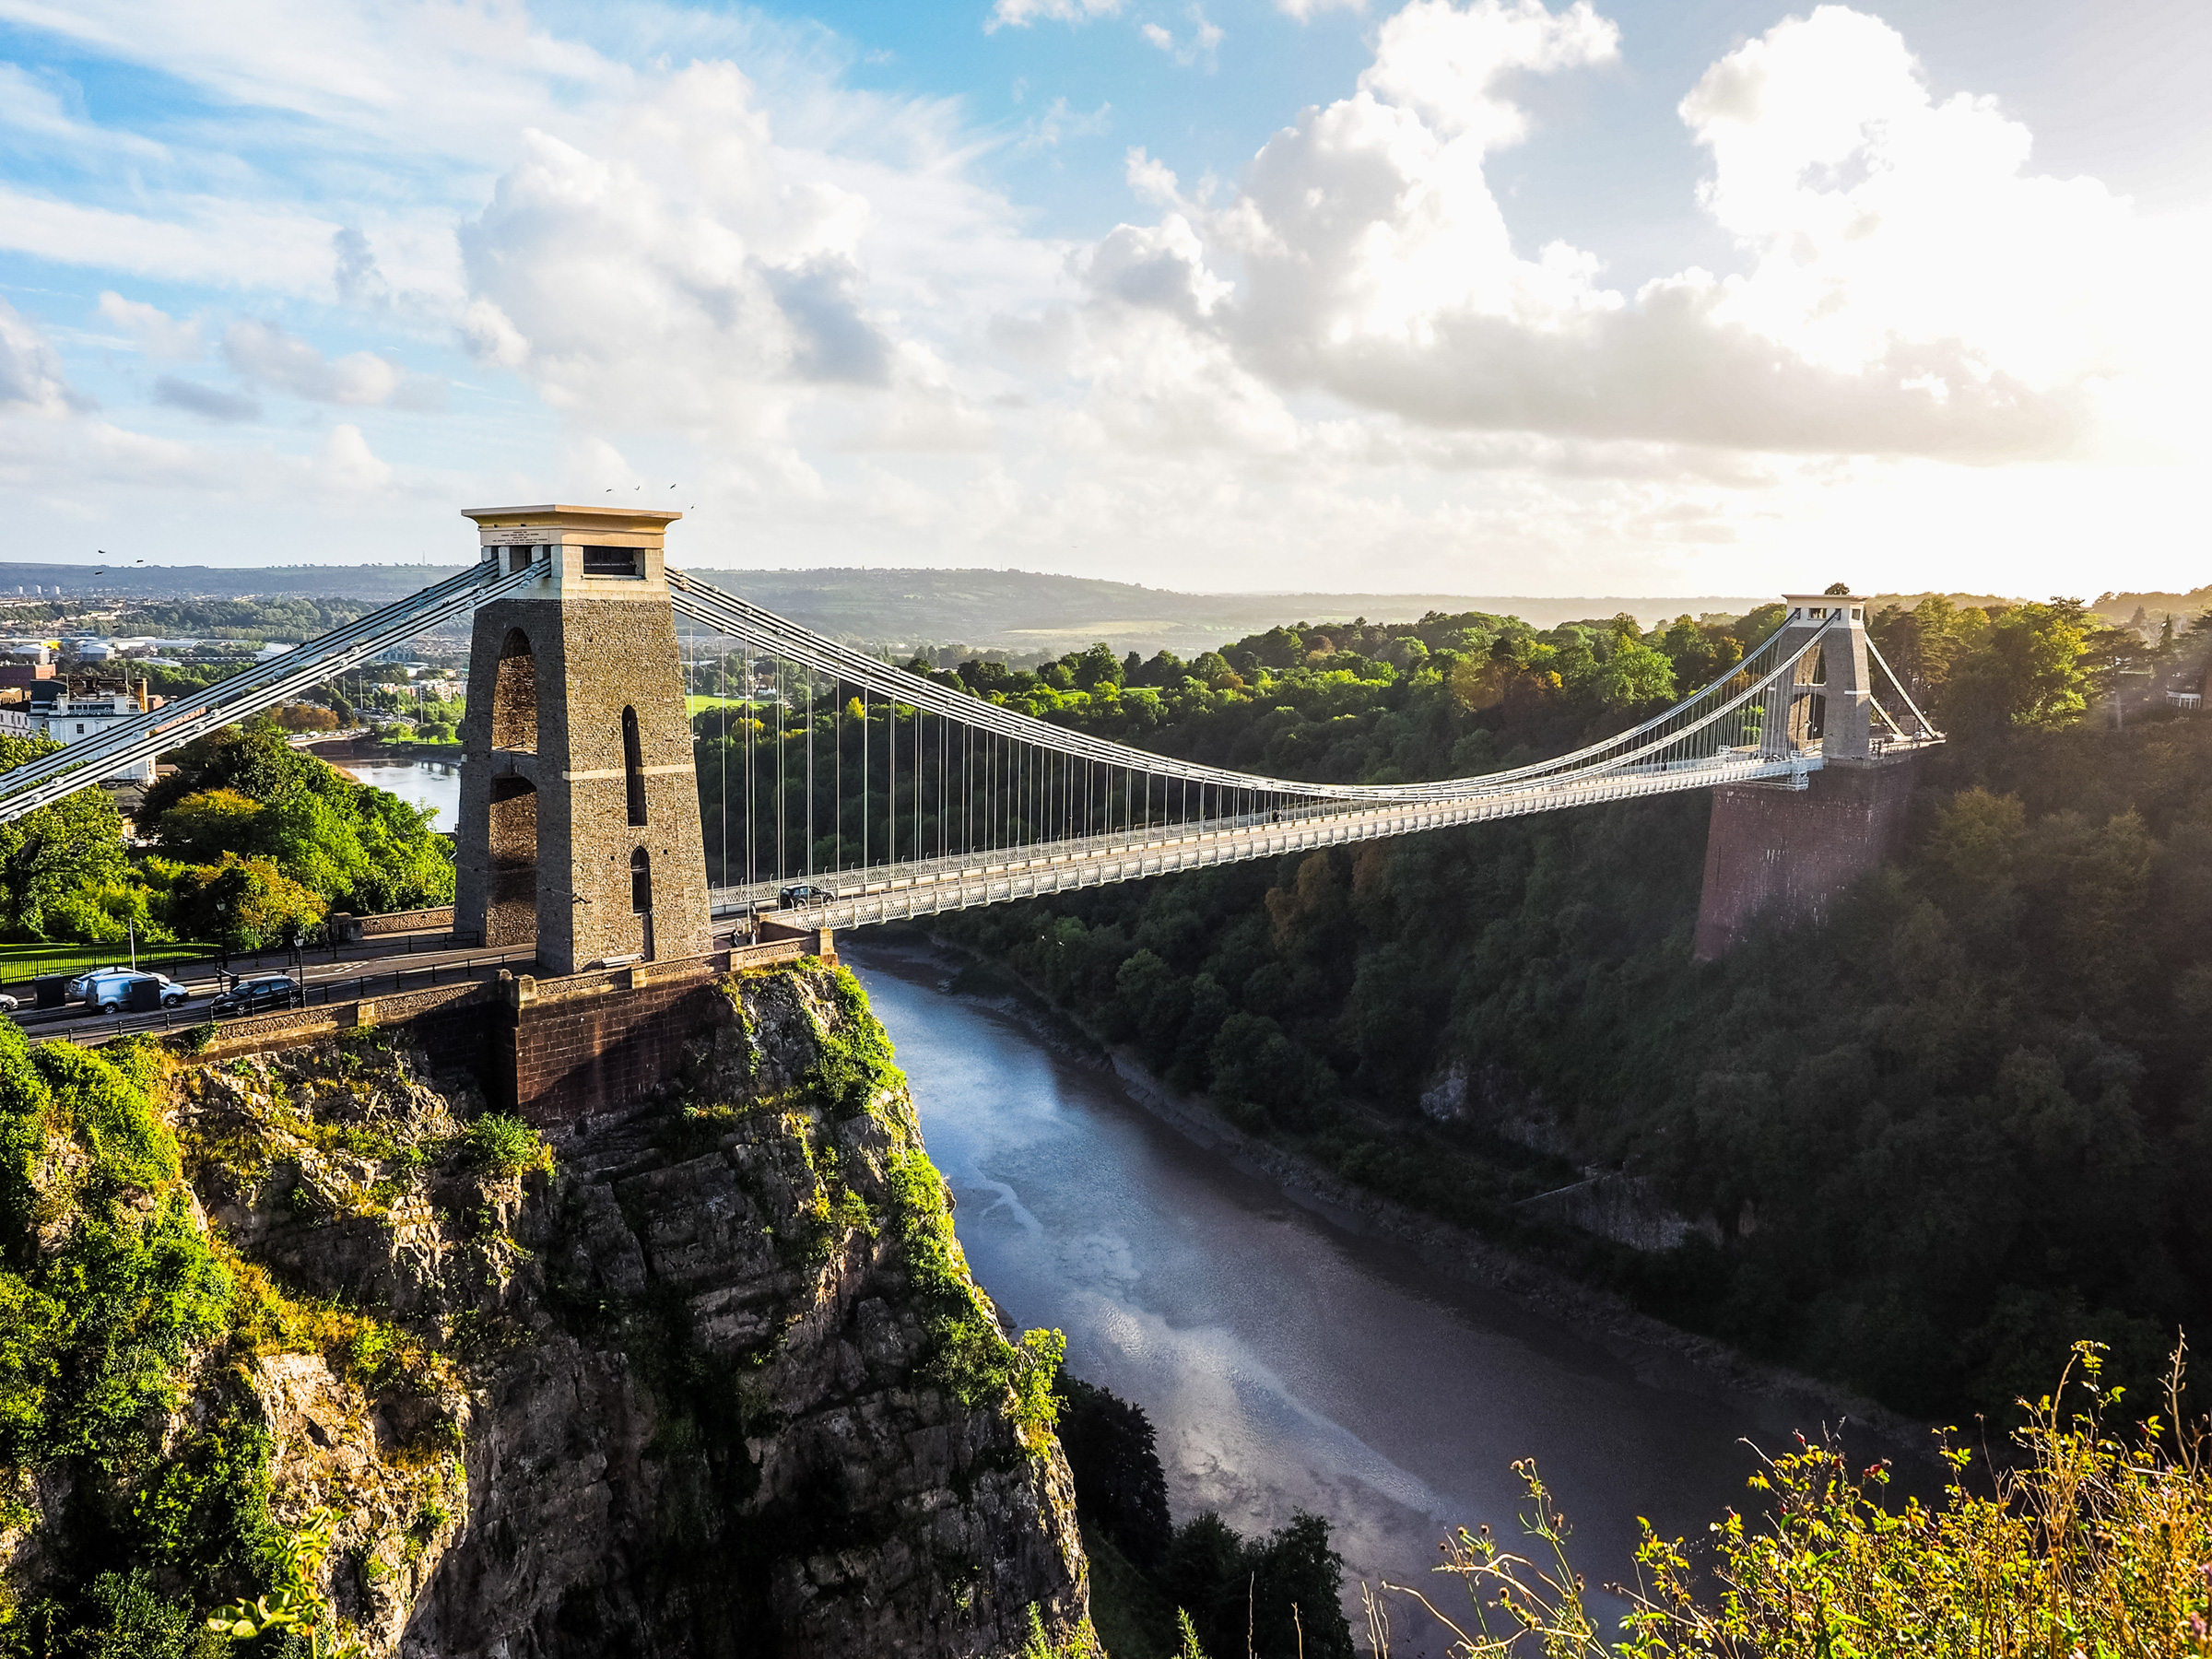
(579, 824)
(1789, 848)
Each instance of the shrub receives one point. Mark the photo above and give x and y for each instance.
(2092, 1542)
(500, 1145)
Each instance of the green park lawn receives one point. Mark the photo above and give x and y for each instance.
(34, 961)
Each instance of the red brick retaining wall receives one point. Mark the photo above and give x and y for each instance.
(576, 1055)
(1789, 852)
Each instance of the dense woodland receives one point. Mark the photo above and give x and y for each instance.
(1962, 1123)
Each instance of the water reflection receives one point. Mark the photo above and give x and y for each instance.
(435, 783)
(1285, 1361)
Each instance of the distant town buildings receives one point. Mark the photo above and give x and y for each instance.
(72, 710)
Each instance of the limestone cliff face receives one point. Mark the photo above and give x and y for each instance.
(716, 1382)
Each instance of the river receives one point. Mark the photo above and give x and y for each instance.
(1286, 1360)
(418, 782)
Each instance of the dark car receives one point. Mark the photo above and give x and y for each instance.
(800, 894)
(252, 995)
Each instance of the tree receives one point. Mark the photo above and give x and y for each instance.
(244, 904)
(46, 854)
(1096, 666)
(1633, 674)
(2030, 671)
(249, 793)
(1119, 1485)
(305, 717)
(201, 828)
(1286, 1590)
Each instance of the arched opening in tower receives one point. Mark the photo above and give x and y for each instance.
(640, 897)
(511, 916)
(633, 768)
(514, 695)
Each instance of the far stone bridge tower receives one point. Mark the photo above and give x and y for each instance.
(1791, 849)
(579, 824)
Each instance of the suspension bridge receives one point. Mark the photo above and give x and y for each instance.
(852, 791)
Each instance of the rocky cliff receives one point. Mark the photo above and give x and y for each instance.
(706, 1376)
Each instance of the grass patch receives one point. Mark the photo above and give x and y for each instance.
(37, 961)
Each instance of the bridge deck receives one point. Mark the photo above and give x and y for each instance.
(929, 886)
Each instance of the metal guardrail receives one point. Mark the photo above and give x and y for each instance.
(253, 963)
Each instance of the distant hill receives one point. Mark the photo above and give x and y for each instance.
(1023, 611)
(2183, 608)
(1017, 611)
(75, 582)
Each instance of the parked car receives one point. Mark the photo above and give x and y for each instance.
(800, 894)
(8, 1005)
(108, 989)
(255, 995)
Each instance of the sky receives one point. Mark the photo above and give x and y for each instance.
(1476, 296)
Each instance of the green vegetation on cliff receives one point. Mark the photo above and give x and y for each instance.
(111, 1292)
(304, 1351)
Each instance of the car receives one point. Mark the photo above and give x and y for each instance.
(8, 1005)
(800, 894)
(108, 989)
(250, 995)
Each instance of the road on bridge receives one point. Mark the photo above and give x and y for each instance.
(397, 961)
(382, 967)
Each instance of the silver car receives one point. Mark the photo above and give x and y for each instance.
(110, 988)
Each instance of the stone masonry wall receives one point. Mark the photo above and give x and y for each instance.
(592, 657)
(1788, 852)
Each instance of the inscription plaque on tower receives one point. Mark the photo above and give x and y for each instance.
(579, 828)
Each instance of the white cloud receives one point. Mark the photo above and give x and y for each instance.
(1200, 47)
(347, 466)
(1444, 62)
(1020, 14)
(31, 380)
(155, 332)
(1060, 121)
(263, 355)
(1306, 10)
(1901, 258)
(209, 239)
(769, 296)
(48, 112)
